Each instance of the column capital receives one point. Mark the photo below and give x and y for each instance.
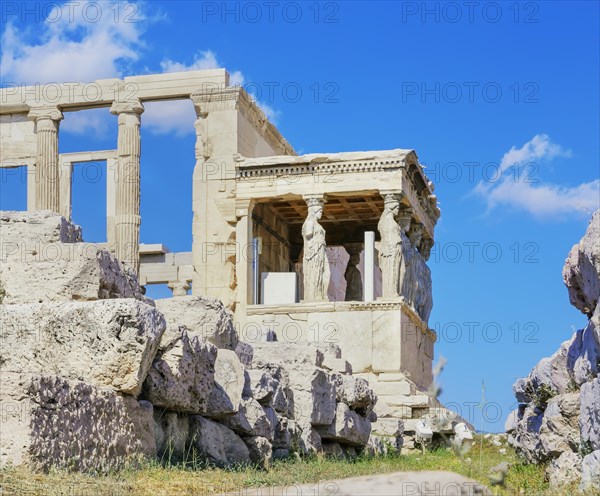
(392, 194)
(315, 199)
(243, 207)
(133, 106)
(354, 248)
(48, 112)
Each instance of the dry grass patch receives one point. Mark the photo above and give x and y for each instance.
(198, 480)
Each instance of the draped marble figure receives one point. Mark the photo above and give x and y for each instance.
(354, 289)
(390, 247)
(315, 266)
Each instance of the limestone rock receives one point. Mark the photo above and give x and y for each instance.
(583, 360)
(581, 272)
(65, 272)
(220, 405)
(245, 353)
(566, 469)
(356, 393)
(589, 417)
(182, 374)
(29, 230)
(306, 440)
(271, 386)
(526, 437)
(171, 432)
(314, 394)
(549, 377)
(332, 450)
(51, 422)
(284, 432)
(287, 354)
(590, 471)
(263, 385)
(230, 375)
(512, 421)
(261, 451)
(216, 443)
(559, 431)
(348, 428)
(252, 419)
(106, 343)
(204, 317)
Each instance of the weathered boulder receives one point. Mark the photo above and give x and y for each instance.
(589, 417)
(559, 417)
(106, 343)
(581, 272)
(332, 450)
(356, 393)
(314, 394)
(583, 362)
(171, 433)
(549, 377)
(566, 469)
(204, 317)
(220, 404)
(51, 422)
(182, 374)
(590, 471)
(245, 353)
(230, 375)
(270, 386)
(287, 354)
(260, 450)
(526, 436)
(216, 443)
(29, 230)
(65, 272)
(348, 428)
(306, 440)
(263, 385)
(559, 431)
(252, 419)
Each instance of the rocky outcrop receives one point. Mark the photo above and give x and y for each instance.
(206, 318)
(44, 259)
(52, 422)
(106, 343)
(582, 267)
(558, 420)
(96, 377)
(216, 443)
(182, 374)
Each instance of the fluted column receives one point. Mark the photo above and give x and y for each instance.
(127, 215)
(47, 173)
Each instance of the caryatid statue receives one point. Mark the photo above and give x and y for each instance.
(354, 286)
(390, 247)
(314, 260)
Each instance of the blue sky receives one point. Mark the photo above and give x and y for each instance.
(472, 91)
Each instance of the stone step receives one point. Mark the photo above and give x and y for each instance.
(392, 388)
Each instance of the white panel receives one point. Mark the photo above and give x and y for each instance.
(278, 287)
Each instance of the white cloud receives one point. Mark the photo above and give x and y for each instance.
(97, 121)
(538, 148)
(529, 194)
(177, 116)
(84, 41)
(70, 48)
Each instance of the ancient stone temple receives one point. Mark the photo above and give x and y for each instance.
(328, 248)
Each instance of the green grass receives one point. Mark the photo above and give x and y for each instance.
(159, 480)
